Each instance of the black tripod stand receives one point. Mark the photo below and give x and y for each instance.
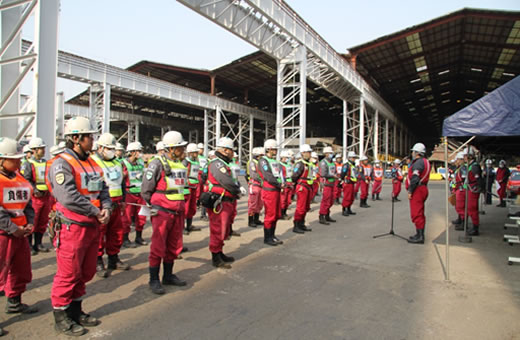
(391, 232)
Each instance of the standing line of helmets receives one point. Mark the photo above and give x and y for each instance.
(95, 193)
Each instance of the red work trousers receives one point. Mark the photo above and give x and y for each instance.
(473, 207)
(365, 187)
(254, 201)
(338, 188)
(356, 186)
(15, 264)
(42, 207)
(132, 213)
(376, 187)
(273, 210)
(396, 188)
(218, 226)
(166, 239)
(327, 199)
(287, 196)
(348, 195)
(460, 203)
(303, 201)
(501, 192)
(76, 257)
(419, 196)
(315, 188)
(111, 234)
(233, 216)
(191, 203)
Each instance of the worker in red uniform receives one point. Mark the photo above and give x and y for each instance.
(358, 183)
(338, 186)
(459, 190)
(502, 177)
(235, 169)
(133, 168)
(287, 192)
(163, 190)
(111, 233)
(417, 187)
(316, 175)
(397, 180)
(83, 203)
(16, 223)
(303, 178)
(473, 186)
(34, 172)
(254, 200)
(54, 151)
(328, 176)
(270, 171)
(203, 163)
(193, 168)
(377, 180)
(364, 176)
(224, 184)
(350, 177)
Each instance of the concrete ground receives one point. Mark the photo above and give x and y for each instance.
(336, 282)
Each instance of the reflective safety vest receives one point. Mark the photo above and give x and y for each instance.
(366, 171)
(203, 161)
(288, 171)
(135, 175)
(424, 175)
(331, 171)
(351, 175)
(87, 175)
(276, 169)
(113, 175)
(24, 160)
(214, 185)
(39, 173)
(378, 174)
(339, 166)
(193, 171)
(235, 170)
(15, 193)
(175, 176)
(307, 175)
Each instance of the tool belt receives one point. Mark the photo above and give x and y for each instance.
(271, 189)
(61, 219)
(169, 211)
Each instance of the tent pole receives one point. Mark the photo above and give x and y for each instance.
(463, 145)
(447, 232)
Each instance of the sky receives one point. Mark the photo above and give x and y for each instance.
(124, 32)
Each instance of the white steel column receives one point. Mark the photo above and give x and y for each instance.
(240, 136)
(361, 126)
(401, 141)
(394, 135)
(105, 126)
(386, 139)
(251, 135)
(206, 133)
(60, 119)
(345, 129)
(376, 135)
(217, 124)
(46, 43)
(137, 124)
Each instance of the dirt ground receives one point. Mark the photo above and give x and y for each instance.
(336, 282)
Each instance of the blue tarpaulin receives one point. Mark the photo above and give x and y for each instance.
(496, 114)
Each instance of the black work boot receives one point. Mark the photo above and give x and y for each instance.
(139, 238)
(38, 237)
(115, 263)
(337, 201)
(100, 268)
(296, 228)
(251, 221)
(34, 251)
(203, 215)
(328, 219)
(284, 215)
(233, 233)
(350, 212)
(76, 313)
(218, 262)
(127, 243)
(378, 198)
(364, 204)
(304, 227)
(418, 238)
(169, 278)
(473, 231)
(458, 220)
(65, 325)
(322, 220)
(226, 258)
(345, 212)
(258, 221)
(373, 197)
(273, 236)
(14, 305)
(460, 226)
(190, 227)
(268, 238)
(154, 283)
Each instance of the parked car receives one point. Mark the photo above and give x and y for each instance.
(513, 184)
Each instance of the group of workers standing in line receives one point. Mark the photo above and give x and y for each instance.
(468, 180)
(94, 196)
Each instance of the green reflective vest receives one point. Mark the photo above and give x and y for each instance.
(135, 175)
(39, 175)
(113, 175)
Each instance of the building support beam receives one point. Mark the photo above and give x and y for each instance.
(386, 139)
(376, 135)
(361, 149)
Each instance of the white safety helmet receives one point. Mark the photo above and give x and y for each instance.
(469, 151)
(62, 145)
(270, 144)
(78, 125)
(107, 140)
(502, 162)
(159, 146)
(36, 142)
(328, 149)
(192, 147)
(94, 145)
(305, 148)
(284, 154)
(339, 155)
(261, 150)
(134, 146)
(314, 155)
(235, 155)
(419, 147)
(56, 150)
(377, 161)
(357, 162)
(460, 155)
(226, 143)
(290, 153)
(397, 161)
(173, 139)
(489, 161)
(255, 151)
(351, 154)
(120, 147)
(363, 158)
(9, 148)
(26, 148)
(211, 153)
(200, 146)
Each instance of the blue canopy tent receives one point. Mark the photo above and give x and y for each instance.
(496, 114)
